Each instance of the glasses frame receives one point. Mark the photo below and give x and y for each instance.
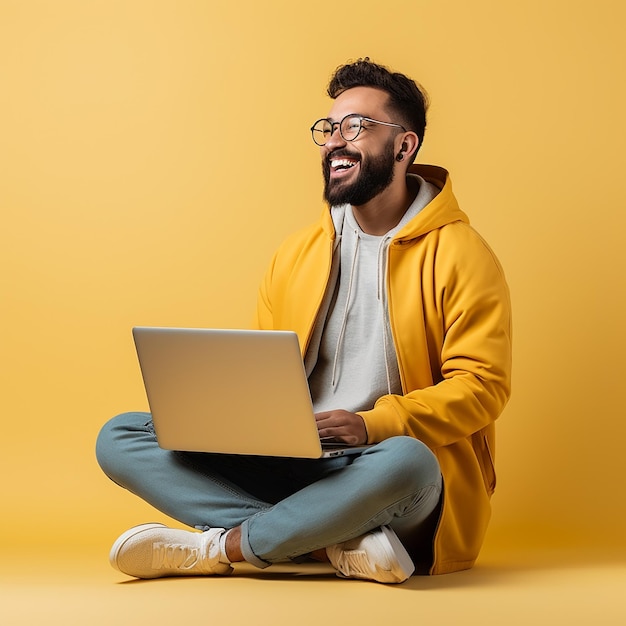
(361, 118)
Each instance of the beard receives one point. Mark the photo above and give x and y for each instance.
(375, 176)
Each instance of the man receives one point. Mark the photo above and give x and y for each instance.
(403, 316)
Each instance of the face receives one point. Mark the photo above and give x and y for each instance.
(357, 171)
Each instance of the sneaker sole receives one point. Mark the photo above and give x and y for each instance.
(122, 539)
(404, 560)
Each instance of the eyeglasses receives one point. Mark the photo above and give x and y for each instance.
(349, 128)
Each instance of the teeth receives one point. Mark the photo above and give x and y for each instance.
(335, 163)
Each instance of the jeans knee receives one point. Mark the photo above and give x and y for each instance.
(105, 446)
(113, 436)
(412, 462)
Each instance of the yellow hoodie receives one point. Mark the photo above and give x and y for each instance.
(450, 317)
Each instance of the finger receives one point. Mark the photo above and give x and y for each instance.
(323, 415)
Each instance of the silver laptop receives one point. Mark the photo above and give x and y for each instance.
(230, 392)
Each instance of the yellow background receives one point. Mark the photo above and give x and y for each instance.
(153, 154)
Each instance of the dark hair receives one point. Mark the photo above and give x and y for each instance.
(407, 99)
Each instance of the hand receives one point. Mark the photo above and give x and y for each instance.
(341, 426)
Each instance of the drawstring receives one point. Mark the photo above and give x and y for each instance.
(382, 290)
(344, 321)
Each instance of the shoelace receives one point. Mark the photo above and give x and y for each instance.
(354, 562)
(174, 556)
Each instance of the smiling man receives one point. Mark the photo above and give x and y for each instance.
(403, 315)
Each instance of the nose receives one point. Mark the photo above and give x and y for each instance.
(335, 140)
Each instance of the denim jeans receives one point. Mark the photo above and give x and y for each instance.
(287, 507)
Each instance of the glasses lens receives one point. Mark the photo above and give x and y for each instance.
(350, 127)
(321, 131)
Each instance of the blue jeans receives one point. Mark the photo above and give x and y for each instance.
(287, 507)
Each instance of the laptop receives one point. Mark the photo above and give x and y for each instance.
(230, 392)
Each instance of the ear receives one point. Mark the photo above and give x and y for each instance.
(407, 144)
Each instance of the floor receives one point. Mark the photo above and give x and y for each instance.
(509, 587)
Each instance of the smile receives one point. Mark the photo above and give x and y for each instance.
(342, 164)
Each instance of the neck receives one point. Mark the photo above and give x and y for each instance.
(384, 212)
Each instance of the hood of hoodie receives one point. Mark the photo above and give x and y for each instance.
(442, 210)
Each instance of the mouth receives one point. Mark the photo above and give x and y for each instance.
(340, 166)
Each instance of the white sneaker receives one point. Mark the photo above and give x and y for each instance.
(154, 550)
(378, 555)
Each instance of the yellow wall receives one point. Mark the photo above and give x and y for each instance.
(154, 153)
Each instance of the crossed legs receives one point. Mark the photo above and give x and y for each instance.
(282, 509)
